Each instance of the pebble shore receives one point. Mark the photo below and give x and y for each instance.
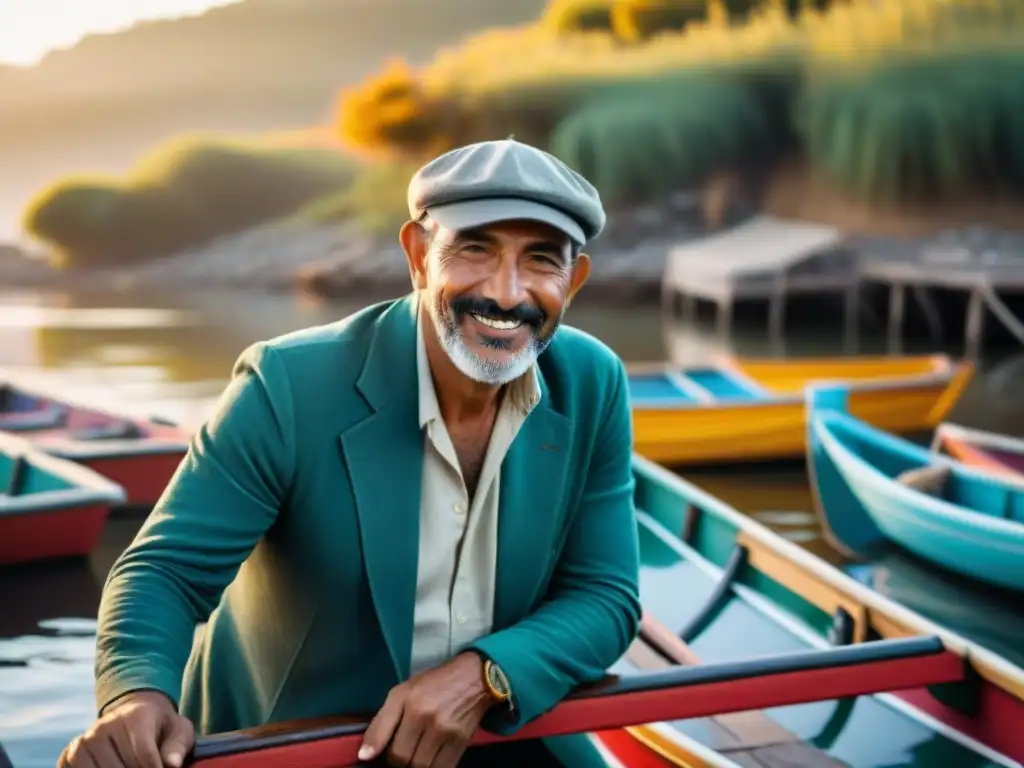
(338, 260)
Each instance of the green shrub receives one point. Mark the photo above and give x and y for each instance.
(376, 200)
(917, 128)
(182, 195)
(638, 20)
(572, 16)
(640, 142)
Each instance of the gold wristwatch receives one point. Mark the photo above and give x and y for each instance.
(497, 684)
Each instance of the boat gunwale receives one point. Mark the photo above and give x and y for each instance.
(820, 424)
(87, 484)
(889, 383)
(978, 437)
(795, 625)
(992, 667)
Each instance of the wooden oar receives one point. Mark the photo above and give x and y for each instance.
(676, 693)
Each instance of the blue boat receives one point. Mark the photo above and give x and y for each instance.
(872, 487)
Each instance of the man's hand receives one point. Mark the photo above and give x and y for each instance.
(142, 730)
(427, 721)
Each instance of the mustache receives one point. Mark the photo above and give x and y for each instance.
(479, 305)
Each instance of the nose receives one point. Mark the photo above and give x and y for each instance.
(505, 285)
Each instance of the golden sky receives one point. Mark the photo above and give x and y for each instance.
(31, 28)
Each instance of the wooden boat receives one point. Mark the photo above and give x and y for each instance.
(751, 652)
(49, 507)
(1000, 454)
(728, 588)
(633, 696)
(742, 409)
(872, 487)
(138, 454)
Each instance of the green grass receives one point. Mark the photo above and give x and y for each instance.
(183, 194)
(916, 128)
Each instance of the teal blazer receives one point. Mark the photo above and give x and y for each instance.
(291, 529)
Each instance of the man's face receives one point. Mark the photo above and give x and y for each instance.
(496, 294)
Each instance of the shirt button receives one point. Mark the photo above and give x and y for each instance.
(461, 618)
(459, 509)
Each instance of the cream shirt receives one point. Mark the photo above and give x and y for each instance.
(458, 539)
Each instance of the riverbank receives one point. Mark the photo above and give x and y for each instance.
(341, 260)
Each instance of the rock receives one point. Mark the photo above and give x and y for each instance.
(19, 267)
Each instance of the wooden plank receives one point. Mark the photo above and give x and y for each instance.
(740, 736)
(792, 755)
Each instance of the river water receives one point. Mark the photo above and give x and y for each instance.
(171, 356)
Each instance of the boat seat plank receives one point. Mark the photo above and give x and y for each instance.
(736, 735)
(788, 755)
(689, 387)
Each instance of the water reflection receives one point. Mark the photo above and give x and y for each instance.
(172, 355)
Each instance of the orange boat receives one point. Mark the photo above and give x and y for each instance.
(999, 454)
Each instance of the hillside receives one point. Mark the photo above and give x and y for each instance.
(288, 56)
(255, 66)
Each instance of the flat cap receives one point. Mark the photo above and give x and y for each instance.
(493, 181)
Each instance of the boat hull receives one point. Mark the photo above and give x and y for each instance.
(778, 590)
(862, 504)
(51, 533)
(775, 428)
(49, 507)
(138, 454)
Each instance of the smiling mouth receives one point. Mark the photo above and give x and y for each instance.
(498, 325)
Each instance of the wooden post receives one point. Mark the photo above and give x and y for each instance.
(931, 312)
(974, 330)
(725, 308)
(777, 310)
(897, 299)
(851, 317)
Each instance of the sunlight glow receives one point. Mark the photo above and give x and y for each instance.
(29, 29)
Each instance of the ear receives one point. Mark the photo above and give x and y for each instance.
(413, 239)
(580, 273)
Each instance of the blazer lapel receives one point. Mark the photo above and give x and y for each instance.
(384, 456)
(533, 487)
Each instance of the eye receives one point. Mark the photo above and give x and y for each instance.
(474, 248)
(545, 258)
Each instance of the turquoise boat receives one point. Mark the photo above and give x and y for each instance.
(872, 487)
(723, 587)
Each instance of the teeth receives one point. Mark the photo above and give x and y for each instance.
(500, 325)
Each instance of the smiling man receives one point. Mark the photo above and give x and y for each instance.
(422, 512)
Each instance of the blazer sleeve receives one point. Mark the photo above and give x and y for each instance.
(592, 612)
(223, 497)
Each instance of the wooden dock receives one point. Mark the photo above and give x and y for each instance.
(765, 258)
(769, 259)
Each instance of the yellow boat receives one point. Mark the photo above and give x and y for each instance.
(747, 409)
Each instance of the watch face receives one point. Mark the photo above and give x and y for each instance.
(497, 679)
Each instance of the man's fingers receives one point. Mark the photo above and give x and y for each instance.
(450, 755)
(104, 753)
(178, 740)
(75, 755)
(142, 739)
(383, 725)
(426, 750)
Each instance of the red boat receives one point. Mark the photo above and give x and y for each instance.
(634, 697)
(49, 507)
(1000, 454)
(138, 454)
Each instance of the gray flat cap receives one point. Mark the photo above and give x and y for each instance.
(494, 181)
